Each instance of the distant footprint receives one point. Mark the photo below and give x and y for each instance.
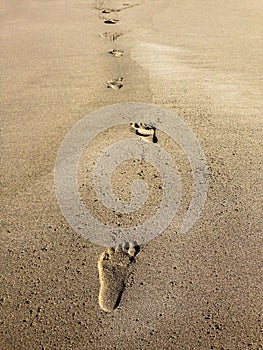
(108, 10)
(111, 21)
(113, 266)
(125, 6)
(145, 131)
(112, 36)
(116, 53)
(115, 84)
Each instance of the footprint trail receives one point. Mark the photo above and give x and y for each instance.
(114, 264)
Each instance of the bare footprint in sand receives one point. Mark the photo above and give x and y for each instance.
(125, 6)
(115, 84)
(116, 53)
(112, 36)
(114, 268)
(145, 131)
(111, 21)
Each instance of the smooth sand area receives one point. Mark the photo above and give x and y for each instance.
(63, 59)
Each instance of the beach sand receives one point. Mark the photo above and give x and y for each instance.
(203, 61)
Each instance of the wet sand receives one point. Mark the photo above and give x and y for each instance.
(201, 60)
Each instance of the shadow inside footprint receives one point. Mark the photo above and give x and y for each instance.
(113, 266)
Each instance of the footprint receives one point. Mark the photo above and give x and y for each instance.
(125, 6)
(108, 11)
(116, 53)
(145, 131)
(106, 34)
(112, 36)
(111, 21)
(115, 83)
(115, 36)
(114, 266)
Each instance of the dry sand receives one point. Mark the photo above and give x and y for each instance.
(200, 59)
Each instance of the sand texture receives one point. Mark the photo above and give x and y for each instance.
(63, 59)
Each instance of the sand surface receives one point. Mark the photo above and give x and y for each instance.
(199, 59)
